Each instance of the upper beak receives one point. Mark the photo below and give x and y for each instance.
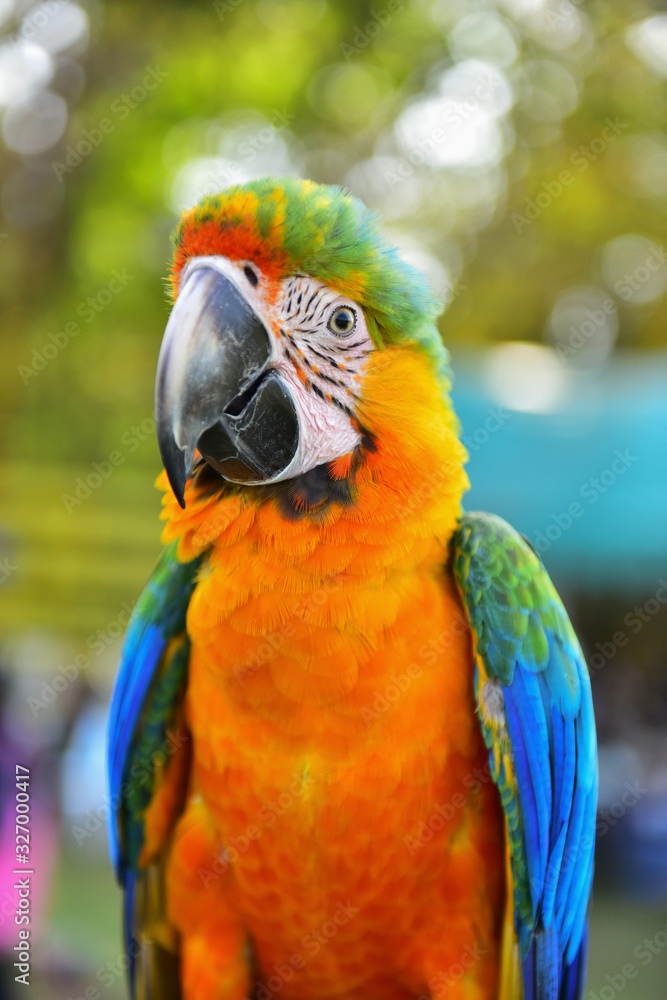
(215, 390)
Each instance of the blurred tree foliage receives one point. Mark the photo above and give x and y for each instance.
(176, 95)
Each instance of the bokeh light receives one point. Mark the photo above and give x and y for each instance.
(525, 377)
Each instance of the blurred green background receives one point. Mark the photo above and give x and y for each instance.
(517, 150)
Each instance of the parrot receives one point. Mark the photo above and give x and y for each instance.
(351, 745)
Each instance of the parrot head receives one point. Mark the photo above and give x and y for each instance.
(284, 290)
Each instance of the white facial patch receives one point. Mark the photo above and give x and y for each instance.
(320, 360)
(323, 367)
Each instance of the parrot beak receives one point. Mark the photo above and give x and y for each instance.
(215, 390)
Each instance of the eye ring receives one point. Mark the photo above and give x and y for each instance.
(342, 321)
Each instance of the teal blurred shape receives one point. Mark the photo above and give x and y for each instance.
(585, 482)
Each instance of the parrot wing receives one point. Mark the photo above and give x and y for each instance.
(534, 701)
(147, 767)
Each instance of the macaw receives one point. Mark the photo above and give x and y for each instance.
(351, 746)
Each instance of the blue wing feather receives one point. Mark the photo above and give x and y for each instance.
(144, 647)
(541, 744)
(532, 815)
(148, 688)
(158, 617)
(547, 963)
(575, 973)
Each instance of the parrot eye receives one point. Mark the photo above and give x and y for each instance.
(342, 321)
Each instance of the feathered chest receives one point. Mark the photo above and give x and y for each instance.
(326, 640)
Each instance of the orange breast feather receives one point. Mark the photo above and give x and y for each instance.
(341, 814)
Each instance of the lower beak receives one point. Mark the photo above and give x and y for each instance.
(216, 391)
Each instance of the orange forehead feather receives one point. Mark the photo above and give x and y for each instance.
(232, 232)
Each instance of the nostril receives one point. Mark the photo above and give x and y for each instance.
(238, 404)
(251, 276)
